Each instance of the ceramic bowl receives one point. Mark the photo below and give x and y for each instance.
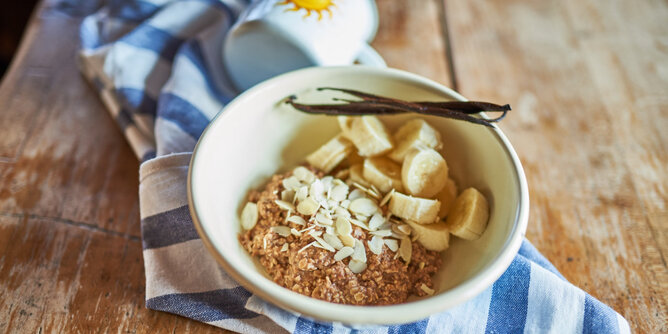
(256, 136)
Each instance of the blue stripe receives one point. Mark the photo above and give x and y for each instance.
(179, 111)
(168, 228)
(598, 317)
(530, 252)
(510, 297)
(413, 327)
(137, 100)
(206, 306)
(193, 52)
(306, 326)
(134, 11)
(154, 39)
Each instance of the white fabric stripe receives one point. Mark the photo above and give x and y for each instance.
(185, 18)
(470, 317)
(282, 317)
(183, 268)
(138, 141)
(177, 141)
(622, 324)
(188, 83)
(554, 306)
(211, 40)
(260, 325)
(165, 176)
(148, 73)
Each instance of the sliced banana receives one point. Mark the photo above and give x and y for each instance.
(412, 134)
(435, 237)
(383, 173)
(330, 154)
(469, 215)
(424, 172)
(420, 210)
(447, 197)
(368, 134)
(357, 175)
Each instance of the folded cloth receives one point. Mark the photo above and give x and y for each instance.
(156, 66)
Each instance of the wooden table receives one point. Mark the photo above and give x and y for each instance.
(588, 81)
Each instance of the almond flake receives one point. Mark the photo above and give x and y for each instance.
(405, 229)
(249, 216)
(303, 174)
(387, 197)
(373, 192)
(382, 233)
(324, 244)
(288, 195)
(363, 206)
(285, 247)
(291, 183)
(360, 252)
(375, 245)
(307, 229)
(297, 220)
(339, 193)
(301, 193)
(285, 205)
(356, 266)
(392, 244)
(355, 194)
(295, 232)
(427, 289)
(347, 240)
(406, 249)
(341, 212)
(317, 190)
(333, 241)
(358, 223)
(376, 221)
(421, 265)
(283, 231)
(323, 219)
(307, 246)
(308, 206)
(343, 226)
(345, 204)
(343, 253)
(315, 233)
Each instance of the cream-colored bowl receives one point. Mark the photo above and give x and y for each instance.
(255, 137)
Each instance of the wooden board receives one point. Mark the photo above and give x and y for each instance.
(588, 82)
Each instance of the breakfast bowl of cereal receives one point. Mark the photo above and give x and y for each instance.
(330, 203)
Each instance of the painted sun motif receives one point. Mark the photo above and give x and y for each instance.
(317, 6)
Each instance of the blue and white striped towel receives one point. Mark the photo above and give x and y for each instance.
(156, 66)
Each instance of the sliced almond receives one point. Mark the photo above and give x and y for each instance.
(324, 244)
(339, 192)
(285, 247)
(304, 175)
(345, 204)
(283, 231)
(427, 289)
(382, 233)
(342, 174)
(360, 252)
(376, 245)
(285, 205)
(392, 244)
(376, 221)
(387, 197)
(295, 232)
(323, 219)
(343, 253)
(343, 226)
(359, 223)
(406, 249)
(297, 220)
(317, 190)
(355, 194)
(288, 195)
(307, 246)
(308, 206)
(249, 216)
(333, 240)
(357, 266)
(291, 183)
(341, 212)
(301, 193)
(363, 206)
(347, 240)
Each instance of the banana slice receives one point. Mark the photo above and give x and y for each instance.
(424, 172)
(330, 154)
(447, 197)
(412, 134)
(383, 173)
(435, 237)
(420, 210)
(368, 134)
(469, 215)
(357, 175)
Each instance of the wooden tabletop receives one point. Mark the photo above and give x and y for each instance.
(588, 82)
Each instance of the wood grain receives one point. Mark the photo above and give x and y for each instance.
(588, 82)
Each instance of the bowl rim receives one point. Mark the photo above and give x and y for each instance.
(369, 315)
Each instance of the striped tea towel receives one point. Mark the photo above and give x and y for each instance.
(156, 66)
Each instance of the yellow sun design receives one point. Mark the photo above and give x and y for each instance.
(318, 6)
